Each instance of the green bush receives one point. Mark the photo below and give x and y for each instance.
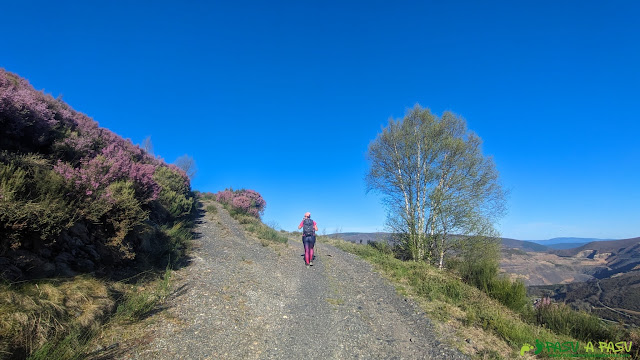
(382, 246)
(125, 214)
(33, 202)
(561, 319)
(512, 294)
(483, 274)
(177, 240)
(175, 196)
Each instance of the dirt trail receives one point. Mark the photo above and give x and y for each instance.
(241, 300)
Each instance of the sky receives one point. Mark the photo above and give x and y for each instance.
(284, 97)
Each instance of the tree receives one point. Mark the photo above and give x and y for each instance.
(147, 145)
(436, 183)
(187, 164)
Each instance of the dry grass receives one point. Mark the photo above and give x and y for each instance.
(61, 319)
(34, 313)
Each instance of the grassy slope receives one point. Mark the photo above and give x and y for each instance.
(60, 318)
(477, 324)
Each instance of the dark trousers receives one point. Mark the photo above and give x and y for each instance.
(309, 242)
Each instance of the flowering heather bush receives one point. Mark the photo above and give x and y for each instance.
(94, 174)
(27, 118)
(225, 197)
(81, 174)
(243, 201)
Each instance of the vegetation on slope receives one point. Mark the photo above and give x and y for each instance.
(492, 313)
(77, 199)
(247, 206)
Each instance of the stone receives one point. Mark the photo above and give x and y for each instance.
(79, 230)
(63, 269)
(64, 257)
(91, 252)
(85, 265)
(45, 270)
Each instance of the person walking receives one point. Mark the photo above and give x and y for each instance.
(309, 228)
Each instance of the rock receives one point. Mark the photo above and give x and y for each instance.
(64, 257)
(75, 242)
(11, 273)
(45, 253)
(26, 260)
(45, 270)
(91, 252)
(4, 261)
(79, 230)
(63, 269)
(85, 265)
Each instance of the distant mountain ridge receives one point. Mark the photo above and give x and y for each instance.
(559, 243)
(523, 245)
(565, 242)
(622, 256)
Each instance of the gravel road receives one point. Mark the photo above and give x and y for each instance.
(241, 300)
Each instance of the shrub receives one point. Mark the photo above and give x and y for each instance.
(124, 215)
(561, 319)
(265, 232)
(483, 274)
(512, 294)
(93, 175)
(175, 196)
(27, 118)
(178, 241)
(243, 201)
(33, 205)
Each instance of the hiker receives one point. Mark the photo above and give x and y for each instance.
(308, 237)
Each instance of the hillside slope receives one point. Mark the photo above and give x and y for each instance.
(77, 198)
(621, 256)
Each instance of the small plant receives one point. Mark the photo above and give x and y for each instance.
(266, 233)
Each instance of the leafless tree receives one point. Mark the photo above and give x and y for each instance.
(187, 164)
(147, 145)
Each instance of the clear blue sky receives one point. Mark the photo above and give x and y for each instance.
(284, 97)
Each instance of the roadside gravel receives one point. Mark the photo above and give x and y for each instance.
(241, 300)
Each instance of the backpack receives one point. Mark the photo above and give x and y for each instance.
(307, 227)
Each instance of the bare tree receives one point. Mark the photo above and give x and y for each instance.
(147, 145)
(187, 164)
(435, 182)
